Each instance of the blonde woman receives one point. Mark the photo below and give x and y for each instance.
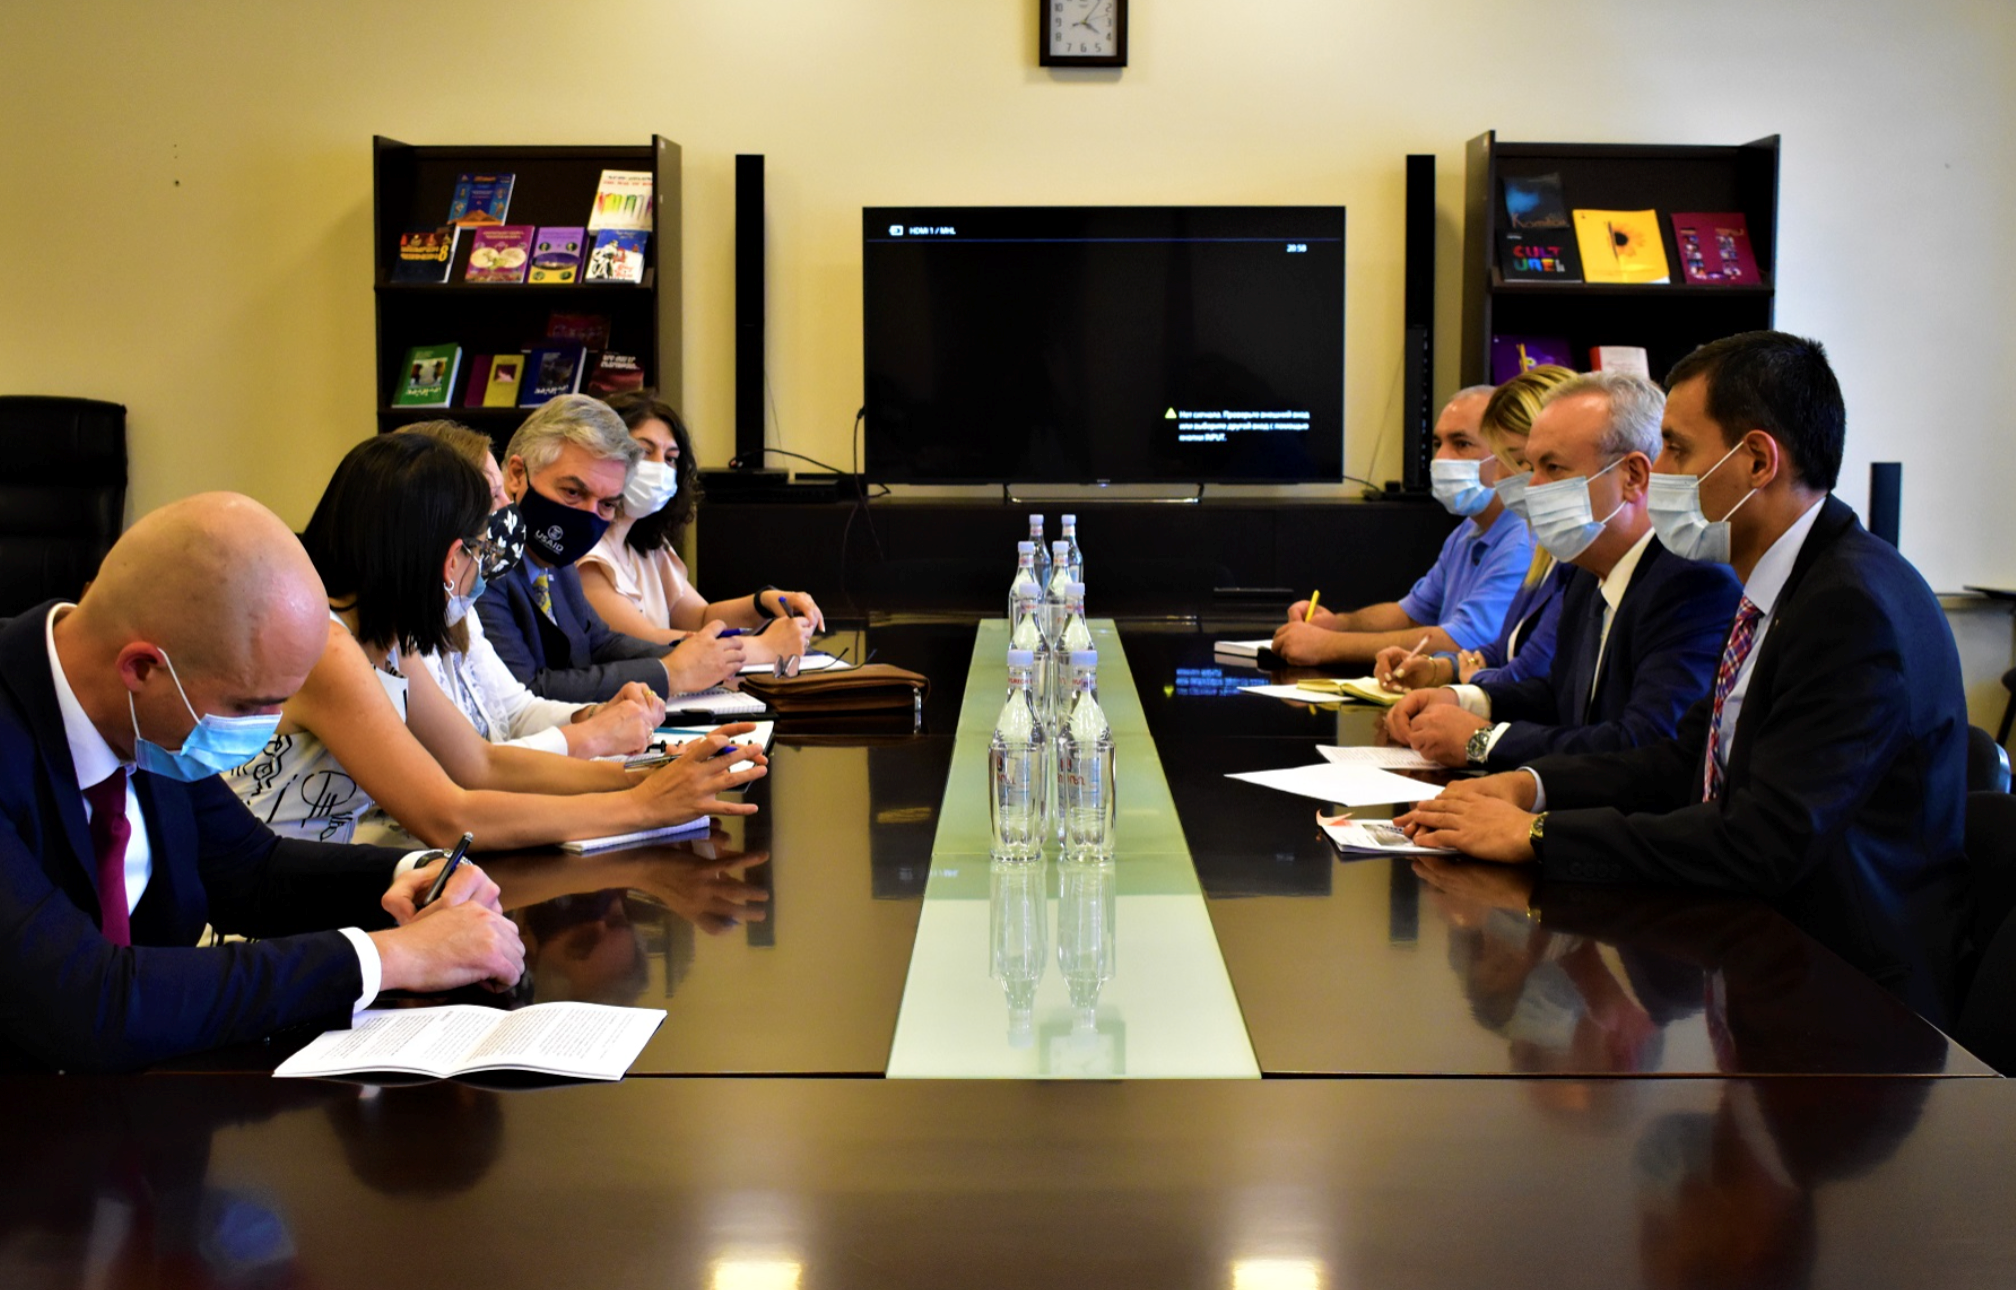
(1525, 646)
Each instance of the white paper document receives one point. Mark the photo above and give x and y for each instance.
(1350, 785)
(1242, 649)
(1377, 837)
(692, 828)
(716, 703)
(1389, 758)
(815, 662)
(578, 1040)
(670, 740)
(1290, 693)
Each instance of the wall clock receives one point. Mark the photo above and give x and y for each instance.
(1082, 33)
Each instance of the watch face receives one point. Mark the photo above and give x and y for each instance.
(1082, 29)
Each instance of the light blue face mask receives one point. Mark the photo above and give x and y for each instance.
(459, 606)
(1511, 490)
(216, 745)
(1458, 486)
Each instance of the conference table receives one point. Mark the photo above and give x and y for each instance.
(1230, 1057)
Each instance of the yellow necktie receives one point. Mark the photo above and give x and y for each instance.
(542, 594)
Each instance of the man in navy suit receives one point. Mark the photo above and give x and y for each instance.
(1826, 772)
(566, 468)
(118, 843)
(1641, 629)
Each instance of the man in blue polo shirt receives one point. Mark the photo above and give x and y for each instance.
(1458, 604)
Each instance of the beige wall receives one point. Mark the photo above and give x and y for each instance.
(185, 189)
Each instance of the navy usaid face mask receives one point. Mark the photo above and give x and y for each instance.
(558, 534)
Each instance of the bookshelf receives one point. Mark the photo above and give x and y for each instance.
(413, 185)
(1666, 320)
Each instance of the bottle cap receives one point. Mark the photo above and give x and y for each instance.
(1035, 520)
(1021, 658)
(1071, 520)
(1026, 547)
(1027, 591)
(1074, 588)
(1060, 548)
(1084, 658)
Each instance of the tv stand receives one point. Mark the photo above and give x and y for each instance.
(1124, 494)
(954, 555)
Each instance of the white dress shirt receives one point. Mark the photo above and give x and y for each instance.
(497, 703)
(93, 759)
(1763, 588)
(1475, 701)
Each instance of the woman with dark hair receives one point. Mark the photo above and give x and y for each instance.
(637, 582)
(399, 539)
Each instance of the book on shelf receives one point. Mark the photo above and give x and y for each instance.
(556, 254)
(428, 377)
(1535, 201)
(1715, 248)
(506, 372)
(1628, 359)
(622, 200)
(1621, 246)
(481, 199)
(590, 331)
(615, 374)
(500, 253)
(549, 373)
(1539, 255)
(479, 376)
(1511, 355)
(618, 256)
(426, 254)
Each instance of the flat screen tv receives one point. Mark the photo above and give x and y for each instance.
(1105, 344)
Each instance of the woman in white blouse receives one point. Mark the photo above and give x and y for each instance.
(637, 582)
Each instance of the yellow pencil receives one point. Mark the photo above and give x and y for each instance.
(1309, 614)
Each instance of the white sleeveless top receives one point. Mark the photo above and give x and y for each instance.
(297, 786)
(652, 582)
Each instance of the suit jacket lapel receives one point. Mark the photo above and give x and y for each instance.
(24, 669)
(1651, 556)
(1834, 519)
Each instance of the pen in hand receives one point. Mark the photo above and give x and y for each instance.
(1392, 679)
(447, 871)
(1309, 614)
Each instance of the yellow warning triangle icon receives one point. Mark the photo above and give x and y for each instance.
(1170, 415)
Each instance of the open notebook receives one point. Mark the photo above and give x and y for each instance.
(577, 1040)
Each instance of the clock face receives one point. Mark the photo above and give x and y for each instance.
(1082, 28)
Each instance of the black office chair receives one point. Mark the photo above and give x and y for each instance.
(1986, 1024)
(1987, 763)
(63, 497)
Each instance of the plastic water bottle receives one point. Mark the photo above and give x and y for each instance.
(1025, 576)
(1027, 634)
(1053, 591)
(1085, 767)
(1076, 559)
(1016, 769)
(1074, 636)
(1042, 550)
(1018, 913)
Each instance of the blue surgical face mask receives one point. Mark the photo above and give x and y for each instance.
(1562, 517)
(459, 606)
(1674, 504)
(216, 745)
(1511, 490)
(1458, 486)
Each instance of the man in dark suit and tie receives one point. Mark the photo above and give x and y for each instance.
(1640, 629)
(566, 468)
(1826, 772)
(118, 843)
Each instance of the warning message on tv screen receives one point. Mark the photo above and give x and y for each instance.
(1049, 344)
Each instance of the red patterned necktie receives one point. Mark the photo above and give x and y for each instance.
(109, 832)
(1742, 635)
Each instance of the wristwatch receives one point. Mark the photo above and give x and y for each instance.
(1537, 833)
(1475, 751)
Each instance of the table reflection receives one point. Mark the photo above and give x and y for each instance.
(1077, 1040)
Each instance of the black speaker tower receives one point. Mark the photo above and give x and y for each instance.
(1417, 444)
(749, 399)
